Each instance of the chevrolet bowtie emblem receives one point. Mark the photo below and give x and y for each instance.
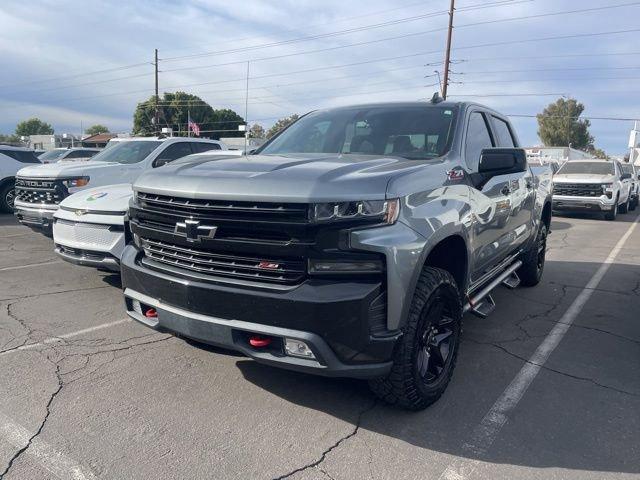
(81, 212)
(193, 231)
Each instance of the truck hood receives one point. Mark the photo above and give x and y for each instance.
(279, 178)
(113, 198)
(67, 169)
(583, 178)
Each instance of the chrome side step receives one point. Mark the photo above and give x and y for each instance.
(482, 304)
(512, 281)
(485, 307)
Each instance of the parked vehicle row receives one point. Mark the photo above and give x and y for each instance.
(12, 159)
(68, 154)
(40, 189)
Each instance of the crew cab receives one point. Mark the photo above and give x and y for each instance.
(91, 227)
(592, 186)
(348, 245)
(12, 159)
(67, 154)
(40, 189)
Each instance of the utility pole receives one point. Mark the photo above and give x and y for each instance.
(156, 116)
(447, 58)
(246, 112)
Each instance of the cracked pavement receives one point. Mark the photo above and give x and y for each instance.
(123, 401)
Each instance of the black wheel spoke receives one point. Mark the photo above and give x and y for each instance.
(423, 361)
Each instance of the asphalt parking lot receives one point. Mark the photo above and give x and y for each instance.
(86, 393)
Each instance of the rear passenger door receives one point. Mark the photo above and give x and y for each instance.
(502, 204)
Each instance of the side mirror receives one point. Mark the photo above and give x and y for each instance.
(160, 162)
(502, 161)
(625, 176)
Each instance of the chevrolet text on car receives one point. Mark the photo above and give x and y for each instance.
(39, 190)
(349, 245)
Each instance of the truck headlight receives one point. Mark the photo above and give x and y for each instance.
(386, 211)
(77, 182)
(607, 187)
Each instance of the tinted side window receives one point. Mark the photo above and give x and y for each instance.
(173, 152)
(78, 154)
(503, 132)
(21, 156)
(478, 138)
(199, 147)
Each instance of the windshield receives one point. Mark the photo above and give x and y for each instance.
(416, 133)
(127, 152)
(594, 168)
(52, 155)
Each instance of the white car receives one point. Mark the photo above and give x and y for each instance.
(68, 154)
(40, 189)
(91, 227)
(12, 159)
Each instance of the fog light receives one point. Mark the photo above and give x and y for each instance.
(297, 348)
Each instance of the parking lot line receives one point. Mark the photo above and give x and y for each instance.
(487, 430)
(20, 267)
(60, 338)
(52, 460)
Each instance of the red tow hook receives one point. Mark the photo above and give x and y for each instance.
(259, 342)
(151, 313)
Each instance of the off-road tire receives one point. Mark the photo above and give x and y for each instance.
(6, 205)
(404, 386)
(534, 259)
(624, 208)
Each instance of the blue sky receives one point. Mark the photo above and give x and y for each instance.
(44, 40)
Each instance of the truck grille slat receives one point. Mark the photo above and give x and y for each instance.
(286, 271)
(578, 189)
(233, 211)
(39, 190)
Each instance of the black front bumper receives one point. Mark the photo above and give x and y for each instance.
(334, 317)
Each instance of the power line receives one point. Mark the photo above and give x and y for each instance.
(563, 69)
(308, 38)
(95, 72)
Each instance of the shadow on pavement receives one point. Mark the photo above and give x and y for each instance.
(564, 420)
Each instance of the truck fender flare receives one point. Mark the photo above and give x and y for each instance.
(447, 231)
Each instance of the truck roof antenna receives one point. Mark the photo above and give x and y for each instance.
(436, 98)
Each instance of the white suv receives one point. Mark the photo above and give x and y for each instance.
(40, 189)
(592, 186)
(12, 159)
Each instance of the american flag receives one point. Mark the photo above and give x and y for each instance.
(193, 126)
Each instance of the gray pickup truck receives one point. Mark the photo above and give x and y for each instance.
(350, 245)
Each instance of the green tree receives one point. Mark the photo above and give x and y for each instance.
(257, 131)
(560, 125)
(282, 124)
(12, 139)
(96, 129)
(598, 153)
(174, 110)
(33, 126)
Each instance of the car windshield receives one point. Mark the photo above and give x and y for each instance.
(52, 155)
(594, 168)
(414, 132)
(132, 151)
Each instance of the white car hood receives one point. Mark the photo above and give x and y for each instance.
(67, 169)
(583, 178)
(112, 198)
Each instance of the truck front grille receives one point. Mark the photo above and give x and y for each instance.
(578, 189)
(236, 211)
(39, 190)
(273, 270)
